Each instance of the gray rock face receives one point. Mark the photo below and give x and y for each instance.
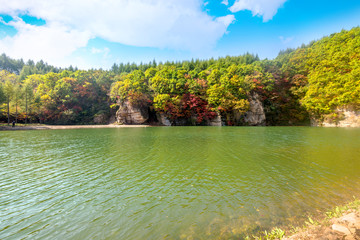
(349, 117)
(112, 119)
(163, 120)
(100, 119)
(256, 115)
(128, 114)
(215, 121)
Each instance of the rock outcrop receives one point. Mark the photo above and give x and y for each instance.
(216, 121)
(345, 227)
(163, 120)
(347, 117)
(101, 118)
(129, 114)
(256, 115)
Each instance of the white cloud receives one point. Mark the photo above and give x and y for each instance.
(265, 8)
(104, 51)
(51, 43)
(225, 2)
(173, 24)
(96, 50)
(226, 20)
(286, 40)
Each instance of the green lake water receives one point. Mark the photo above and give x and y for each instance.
(171, 182)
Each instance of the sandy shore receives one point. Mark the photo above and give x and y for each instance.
(44, 127)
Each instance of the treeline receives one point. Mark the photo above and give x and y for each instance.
(314, 80)
(56, 98)
(22, 69)
(188, 65)
(197, 93)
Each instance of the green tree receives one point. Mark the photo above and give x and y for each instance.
(9, 91)
(17, 94)
(28, 95)
(9, 82)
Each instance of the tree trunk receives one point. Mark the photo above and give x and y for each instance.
(8, 110)
(26, 109)
(16, 113)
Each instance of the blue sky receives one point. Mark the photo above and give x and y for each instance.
(97, 33)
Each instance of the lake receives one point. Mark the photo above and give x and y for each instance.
(171, 182)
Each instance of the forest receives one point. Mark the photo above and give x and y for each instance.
(312, 81)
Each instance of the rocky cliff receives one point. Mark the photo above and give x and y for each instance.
(256, 115)
(347, 117)
(101, 118)
(162, 119)
(129, 114)
(216, 121)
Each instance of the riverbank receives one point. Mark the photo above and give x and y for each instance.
(341, 223)
(4, 127)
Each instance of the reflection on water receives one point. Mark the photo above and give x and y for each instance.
(172, 183)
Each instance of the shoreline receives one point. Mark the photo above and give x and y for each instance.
(52, 127)
(5, 127)
(342, 222)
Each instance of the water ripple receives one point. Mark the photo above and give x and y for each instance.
(171, 183)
